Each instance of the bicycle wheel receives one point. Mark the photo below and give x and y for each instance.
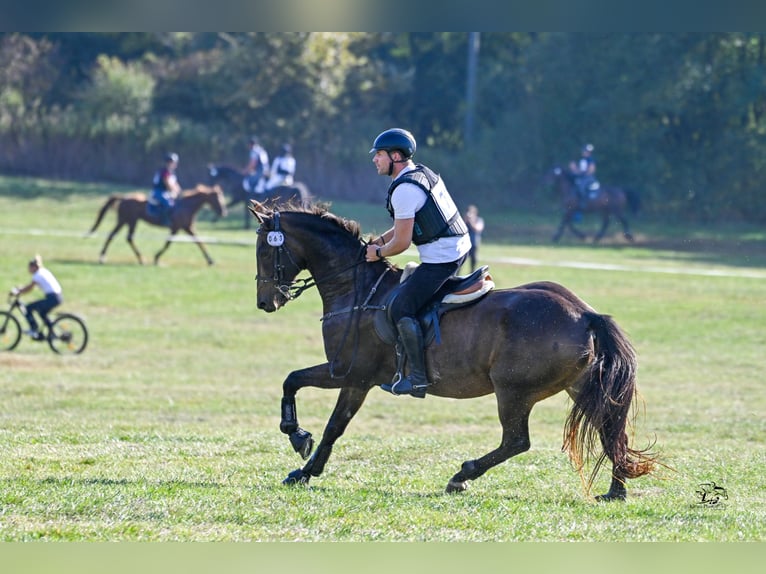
(68, 335)
(10, 331)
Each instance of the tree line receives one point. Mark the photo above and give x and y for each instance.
(678, 117)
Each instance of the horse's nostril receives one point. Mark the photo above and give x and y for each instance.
(261, 304)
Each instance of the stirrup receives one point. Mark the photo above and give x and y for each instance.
(405, 387)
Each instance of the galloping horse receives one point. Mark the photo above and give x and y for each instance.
(610, 201)
(133, 207)
(522, 344)
(230, 179)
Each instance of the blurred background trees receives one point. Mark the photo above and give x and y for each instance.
(680, 117)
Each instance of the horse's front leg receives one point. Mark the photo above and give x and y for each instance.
(349, 402)
(168, 241)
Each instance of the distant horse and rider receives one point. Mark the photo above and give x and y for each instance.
(233, 181)
(522, 344)
(134, 207)
(603, 201)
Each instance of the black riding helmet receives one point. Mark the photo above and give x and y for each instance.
(395, 139)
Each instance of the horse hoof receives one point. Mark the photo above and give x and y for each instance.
(296, 477)
(456, 487)
(609, 497)
(302, 442)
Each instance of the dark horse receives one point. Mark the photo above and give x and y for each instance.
(522, 344)
(608, 202)
(131, 208)
(230, 179)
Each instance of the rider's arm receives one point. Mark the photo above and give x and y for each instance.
(25, 289)
(399, 239)
(402, 237)
(384, 238)
(171, 183)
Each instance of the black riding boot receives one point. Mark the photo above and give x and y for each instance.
(416, 381)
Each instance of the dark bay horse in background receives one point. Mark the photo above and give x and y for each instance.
(523, 344)
(132, 208)
(608, 202)
(231, 179)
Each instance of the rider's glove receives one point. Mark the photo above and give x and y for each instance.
(15, 291)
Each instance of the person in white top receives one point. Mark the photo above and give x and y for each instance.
(424, 214)
(475, 228)
(47, 282)
(258, 163)
(283, 169)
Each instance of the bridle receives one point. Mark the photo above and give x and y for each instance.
(293, 289)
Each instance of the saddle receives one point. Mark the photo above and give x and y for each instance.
(155, 210)
(459, 291)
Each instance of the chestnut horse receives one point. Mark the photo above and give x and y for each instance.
(131, 208)
(607, 203)
(523, 344)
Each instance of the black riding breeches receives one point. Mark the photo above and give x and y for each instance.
(421, 286)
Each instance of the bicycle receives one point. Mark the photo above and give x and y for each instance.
(66, 333)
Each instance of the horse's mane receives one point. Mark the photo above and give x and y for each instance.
(321, 210)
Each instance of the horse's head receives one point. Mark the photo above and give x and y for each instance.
(276, 259)
(294, 237)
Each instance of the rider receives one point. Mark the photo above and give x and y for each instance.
(283, 168)
(44, 279)
(584, 170)
(165, 188)
(256, 168)
(424, 214)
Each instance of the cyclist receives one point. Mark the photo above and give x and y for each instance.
(43, 278)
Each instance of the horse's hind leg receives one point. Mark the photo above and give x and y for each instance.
(626, 229)
(102, 255)
(514, 416)
(131, 231)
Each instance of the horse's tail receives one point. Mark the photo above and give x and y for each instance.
(603, 405)
(634, 200)
(113, 199)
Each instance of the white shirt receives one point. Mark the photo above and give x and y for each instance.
(286, 163)
(46, 281)
(409, 198)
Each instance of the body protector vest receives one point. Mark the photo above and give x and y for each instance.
(439, 216)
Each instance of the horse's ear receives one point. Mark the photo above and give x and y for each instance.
(258, 210)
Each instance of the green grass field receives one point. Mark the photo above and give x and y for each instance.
(166, 428)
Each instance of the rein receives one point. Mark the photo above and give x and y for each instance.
(293, 289)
